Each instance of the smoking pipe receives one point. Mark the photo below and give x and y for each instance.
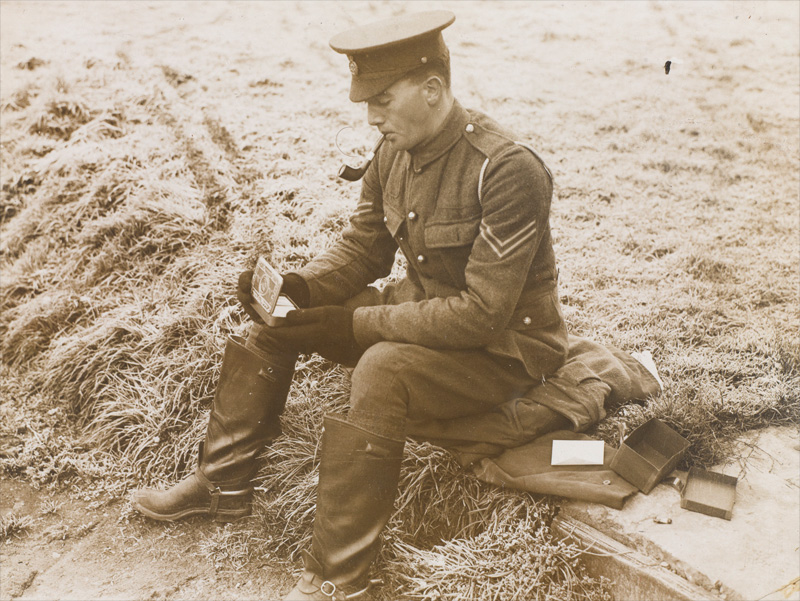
(353, 174)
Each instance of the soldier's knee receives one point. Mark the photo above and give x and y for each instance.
(377, 359)
(382, 373)
(381, 388)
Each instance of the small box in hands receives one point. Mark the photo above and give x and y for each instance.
(270, 304)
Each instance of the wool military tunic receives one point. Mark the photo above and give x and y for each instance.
(469, 210)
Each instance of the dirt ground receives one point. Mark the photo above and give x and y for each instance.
(80, 549)
(585, 83)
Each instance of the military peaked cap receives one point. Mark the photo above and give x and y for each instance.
(382, 52)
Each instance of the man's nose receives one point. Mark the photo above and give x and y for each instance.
(374, 116)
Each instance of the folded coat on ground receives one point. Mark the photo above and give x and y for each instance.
(503, 447)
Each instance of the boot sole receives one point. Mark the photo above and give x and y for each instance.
(220, 516)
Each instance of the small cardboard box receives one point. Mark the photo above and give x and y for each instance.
(269, 303)
(650, 453)
(711, 493)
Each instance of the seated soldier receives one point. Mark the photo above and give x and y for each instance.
(474, 323)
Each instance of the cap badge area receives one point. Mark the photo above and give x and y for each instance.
(353, 66)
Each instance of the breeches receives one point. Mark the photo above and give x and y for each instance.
(396, 385)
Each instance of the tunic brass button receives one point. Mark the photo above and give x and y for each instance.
(421, 258)
(527, 321)
(470, 128)
(412, 216)
(385, 219)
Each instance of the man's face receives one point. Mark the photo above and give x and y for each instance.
(402, 114)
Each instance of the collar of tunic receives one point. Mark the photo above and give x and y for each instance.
(449, 133)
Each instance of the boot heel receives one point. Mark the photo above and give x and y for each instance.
(226, 516)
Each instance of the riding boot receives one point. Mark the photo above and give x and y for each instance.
(250, 397)
(358, 476)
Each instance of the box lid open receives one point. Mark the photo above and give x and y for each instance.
(650, 453)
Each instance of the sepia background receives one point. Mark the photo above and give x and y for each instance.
(152, 150)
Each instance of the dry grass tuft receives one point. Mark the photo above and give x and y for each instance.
(59, 117)
(13, 525)
(134, 193)
(515, 557)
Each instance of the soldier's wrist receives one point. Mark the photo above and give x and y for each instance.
(363, 334)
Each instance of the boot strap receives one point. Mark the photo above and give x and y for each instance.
(216, 492)
(312, 582)
(328, 588)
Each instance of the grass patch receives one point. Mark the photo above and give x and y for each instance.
(515, 558)
(133, 195)
(14, 526)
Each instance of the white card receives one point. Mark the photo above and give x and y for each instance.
(283, 306)
(577, 452)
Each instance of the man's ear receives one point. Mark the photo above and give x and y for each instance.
(433, 89)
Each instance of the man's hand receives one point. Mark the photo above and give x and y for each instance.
(294, 287)
(326, 330)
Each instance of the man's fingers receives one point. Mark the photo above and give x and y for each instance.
(245, 298)
(247, 304)
(267, 340)
(304, 316)
(248, 308)
(246, 282)
(298, 338)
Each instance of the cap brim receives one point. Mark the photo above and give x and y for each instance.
(363, 89)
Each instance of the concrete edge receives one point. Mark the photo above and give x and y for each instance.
(633, 576)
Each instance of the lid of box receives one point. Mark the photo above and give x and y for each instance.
(708, 492)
